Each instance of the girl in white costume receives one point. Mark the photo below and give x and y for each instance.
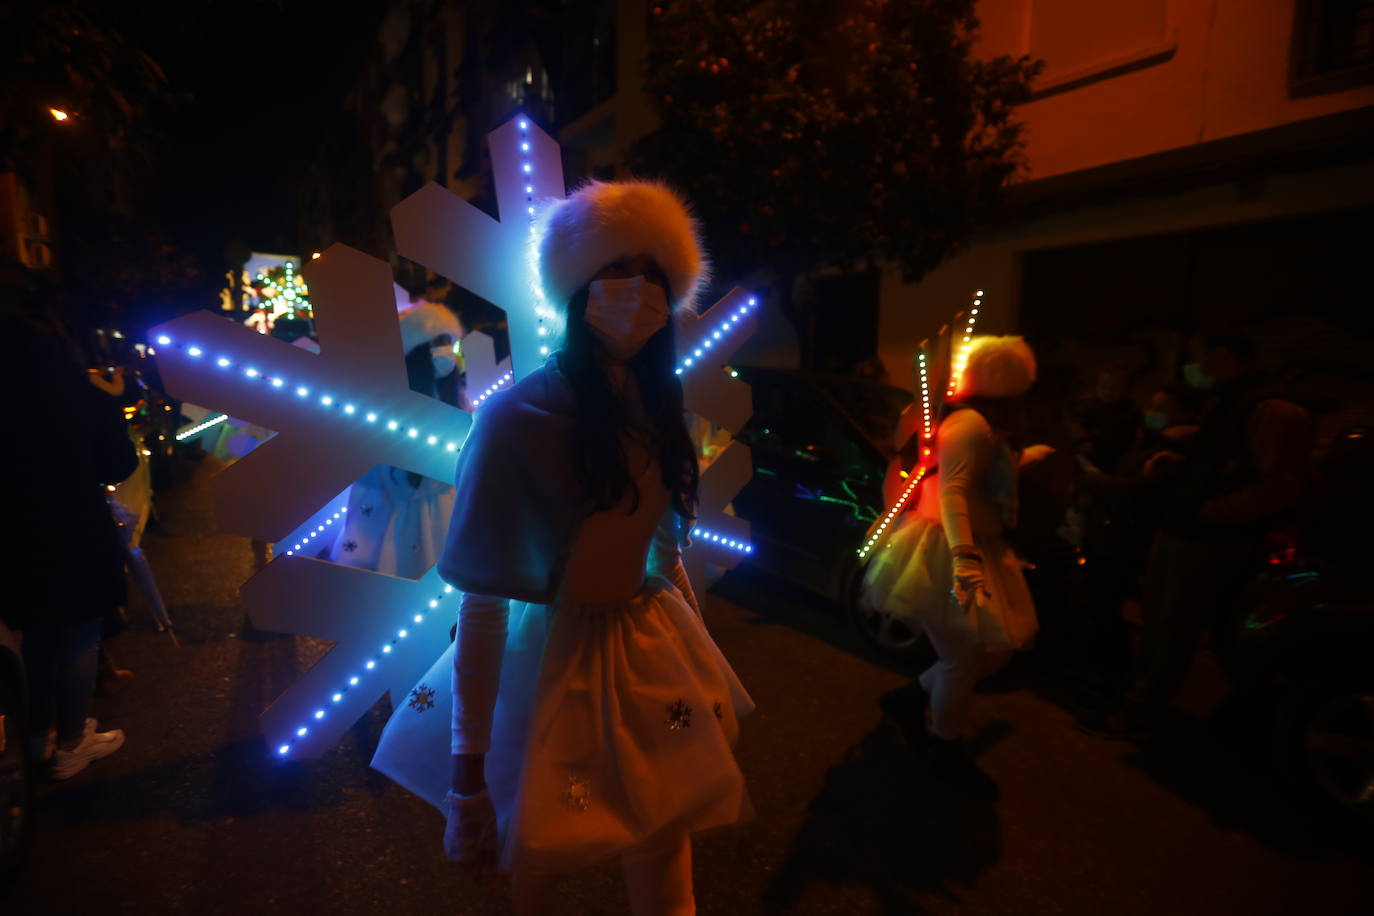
(947, 567)
(397, 521)
(592, 715)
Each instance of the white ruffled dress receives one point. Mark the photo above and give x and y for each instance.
(607, 716)
(972, 499)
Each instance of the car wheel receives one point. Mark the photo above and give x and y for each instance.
(1327, 741)
(16, 784)
(881, 630)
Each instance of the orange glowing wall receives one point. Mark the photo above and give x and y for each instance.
(1130, 78)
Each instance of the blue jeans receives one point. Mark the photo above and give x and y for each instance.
(61, 664)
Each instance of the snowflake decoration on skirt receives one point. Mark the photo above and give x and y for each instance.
(577, 794)
(422, 698)
(679, 716)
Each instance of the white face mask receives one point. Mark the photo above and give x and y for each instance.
(442, 358)
(624, 314)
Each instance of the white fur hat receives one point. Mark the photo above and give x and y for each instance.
(424, 321)
(602, 222)
(997, 367)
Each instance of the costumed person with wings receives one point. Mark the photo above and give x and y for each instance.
(947, 567)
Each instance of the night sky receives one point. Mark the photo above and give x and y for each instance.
(266, 77)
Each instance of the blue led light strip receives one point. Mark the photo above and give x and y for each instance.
(721, 539)
(709, 341)
(201, 427)
(527, 169)
(370, 665)
(500, 383)
(342, 406)
(318, 531)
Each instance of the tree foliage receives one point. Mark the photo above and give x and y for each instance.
(809, 133)
(69, 55)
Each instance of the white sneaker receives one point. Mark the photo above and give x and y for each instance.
(50, 746)
(66, 764)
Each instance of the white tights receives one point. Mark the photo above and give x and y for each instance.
(659, 884)
(950, 681)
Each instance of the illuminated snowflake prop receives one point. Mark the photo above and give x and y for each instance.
(284, 292)
(348, 409)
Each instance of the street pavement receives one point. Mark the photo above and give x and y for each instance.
(194, 816)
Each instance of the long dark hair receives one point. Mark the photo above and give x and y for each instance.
(420, 373)
(604, 419)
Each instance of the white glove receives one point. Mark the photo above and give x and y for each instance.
(470, 834)
(969, 582)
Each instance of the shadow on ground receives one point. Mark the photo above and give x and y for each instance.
(882, 822)
(781, 603)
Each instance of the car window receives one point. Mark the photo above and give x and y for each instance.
(874, 408)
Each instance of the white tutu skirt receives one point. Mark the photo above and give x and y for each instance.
(612, 735)
(911, 577)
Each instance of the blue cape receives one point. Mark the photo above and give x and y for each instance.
(518, 505)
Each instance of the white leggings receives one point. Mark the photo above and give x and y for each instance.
(950, 681)
(659, 884)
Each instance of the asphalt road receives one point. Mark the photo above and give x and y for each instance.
(194, 816)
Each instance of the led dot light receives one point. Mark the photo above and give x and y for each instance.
(305, 540)
(956, 370)
(698, 351)
(912, 483)
(721, 539)
(500, 383)
(201, 427)
(347, 409)
(338, 694)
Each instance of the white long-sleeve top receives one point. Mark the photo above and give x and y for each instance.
(480, 644)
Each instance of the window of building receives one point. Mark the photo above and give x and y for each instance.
(1085, 41)
(1333, 46)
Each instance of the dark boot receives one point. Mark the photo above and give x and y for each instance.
(953, 765)
(906, 707)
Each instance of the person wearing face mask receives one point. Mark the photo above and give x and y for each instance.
(1244, 469)
(592, 717)
(397, 520)
(947, 566)
(1110, 422)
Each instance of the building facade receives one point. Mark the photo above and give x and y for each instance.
(1189, 160)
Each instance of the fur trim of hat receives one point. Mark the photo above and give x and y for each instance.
(424, 321)
(997, 367)
(605, 221)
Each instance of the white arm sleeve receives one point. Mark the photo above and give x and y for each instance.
(477, 655)
(665, 559)
(963, 446)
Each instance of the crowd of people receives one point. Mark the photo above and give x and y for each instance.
(1173, 507)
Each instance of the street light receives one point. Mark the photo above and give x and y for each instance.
(58, 114)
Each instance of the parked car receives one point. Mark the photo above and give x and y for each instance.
(16, 766)
(821, 445)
